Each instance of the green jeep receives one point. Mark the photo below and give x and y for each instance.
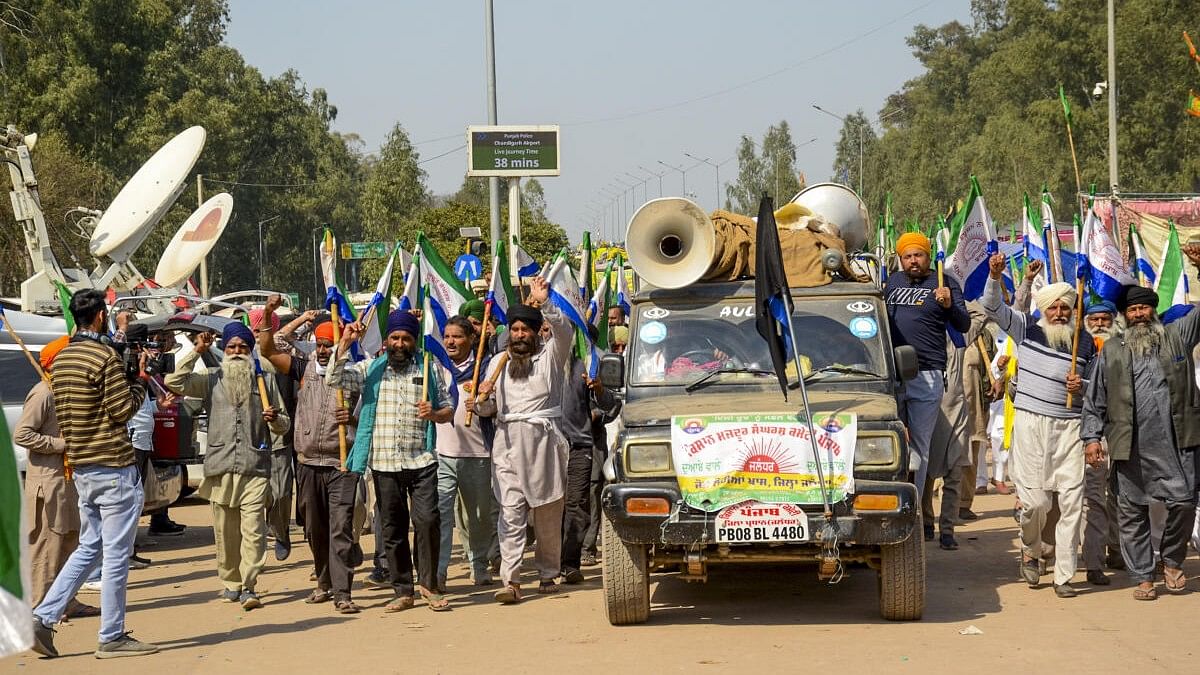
(695, 351)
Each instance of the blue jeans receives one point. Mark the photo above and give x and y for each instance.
(922, 403)
(470, 477)
(110, 502)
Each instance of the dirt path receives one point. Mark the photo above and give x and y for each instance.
(773, 618)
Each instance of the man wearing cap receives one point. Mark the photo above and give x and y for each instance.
(529, 455)
(920, 311)
(396, 440)
(1099, 518)
(237, 462)
(51, 502)
(1046, 457)
(327, 494)
(1143, 401)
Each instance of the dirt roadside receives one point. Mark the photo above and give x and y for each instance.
(773, 618)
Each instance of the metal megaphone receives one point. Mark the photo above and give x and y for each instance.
(841, 206)
(671, 242)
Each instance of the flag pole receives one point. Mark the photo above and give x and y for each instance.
(341, 396)
(1078, 329)
(812, 430)
(37, 367)
(487, 316)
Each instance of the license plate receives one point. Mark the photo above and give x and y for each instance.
(753, 522)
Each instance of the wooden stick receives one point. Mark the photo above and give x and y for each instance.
(21, 343)
(487, 315)
(1075, 162)
(1078, 330)
(425, 376)
(987, 363)
(501, 361)
(341, 396)
(941, 272)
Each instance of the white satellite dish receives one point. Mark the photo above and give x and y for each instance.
(195, 238)
(146, 197)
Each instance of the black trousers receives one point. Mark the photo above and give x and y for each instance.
(597, 489)
(393, 490)
(577, 511)
(328, 496)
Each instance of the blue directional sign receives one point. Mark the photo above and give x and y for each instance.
(468, 268)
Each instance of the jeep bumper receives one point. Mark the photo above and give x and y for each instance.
(685, 526)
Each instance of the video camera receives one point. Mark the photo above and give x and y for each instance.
(137, 342)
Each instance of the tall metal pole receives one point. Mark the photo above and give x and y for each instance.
(1112, 96)
(860, 159)
(204, 260)
(514, 217)
(493, 182)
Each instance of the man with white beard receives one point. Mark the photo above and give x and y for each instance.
(1143, 401)
(1047, 458)
(237, 464)
(1099, 512)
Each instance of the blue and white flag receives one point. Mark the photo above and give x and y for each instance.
(1054, 273)
(1104, 267)
(378, 308)
(446, 293)
(1143, 269)
(623, 294)
(1036, 247)
(412, 285)
(432, 341)
(968, 261)
(1172, 286)
(500, 294)
(564, 294)
(526, 265)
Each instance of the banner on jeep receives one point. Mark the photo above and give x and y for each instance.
(727, 459)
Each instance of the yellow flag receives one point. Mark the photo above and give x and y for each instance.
(1010, 412)
(1193, 108)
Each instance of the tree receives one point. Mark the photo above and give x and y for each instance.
(744, 194)
(533, 198)
(779, 163)
(394, 189)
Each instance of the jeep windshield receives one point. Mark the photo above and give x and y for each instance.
(679, 343)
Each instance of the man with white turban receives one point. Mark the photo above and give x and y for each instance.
(1047, 456)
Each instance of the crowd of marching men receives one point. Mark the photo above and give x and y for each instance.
(1084, 386)
(495, 424)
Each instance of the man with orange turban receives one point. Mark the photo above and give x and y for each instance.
(51, 501)
(920, 310)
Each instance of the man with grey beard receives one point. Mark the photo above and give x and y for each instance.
(1099, 506)
(1143, 401)
(237, 463)
(1047, 460)
(529, 454)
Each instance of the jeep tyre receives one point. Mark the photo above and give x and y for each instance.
(902, 578)
(626, 579)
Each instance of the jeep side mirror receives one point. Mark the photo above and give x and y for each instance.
(612, 371)
(906, 362)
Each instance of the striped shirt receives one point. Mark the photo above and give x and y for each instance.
(1041, 369)
(93, 401)
(398, 438)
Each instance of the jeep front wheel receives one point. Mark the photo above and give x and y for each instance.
(626, 579)
(902, 578)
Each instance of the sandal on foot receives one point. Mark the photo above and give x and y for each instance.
(509, 595)
(1174, 579)
(547, 587)
(346, 607)
(399, 604)
(1144, 593)
(436, 601)
(317, 597)
(83, 611)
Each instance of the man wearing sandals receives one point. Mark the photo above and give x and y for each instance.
(1143, 401)
(1047, 461)
(395, 440)
(327, 492)
(529, 455)
(237, 463)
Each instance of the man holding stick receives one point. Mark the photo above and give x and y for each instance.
(328, 492)
(1046, 460)
(529, 455)
(400, 399)
(247, 416)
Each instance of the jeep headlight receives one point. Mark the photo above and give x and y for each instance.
(875, 450)
(648, 457)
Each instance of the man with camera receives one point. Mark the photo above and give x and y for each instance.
(94, 397)
(237, 464)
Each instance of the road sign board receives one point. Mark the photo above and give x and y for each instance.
(468, 267)
(359, 250)
(512, 150)
(470, 232)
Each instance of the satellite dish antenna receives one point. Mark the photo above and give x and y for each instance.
(195, 238)
(146, 197)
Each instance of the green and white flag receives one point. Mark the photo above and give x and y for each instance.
(16, 628)
(1172, 284)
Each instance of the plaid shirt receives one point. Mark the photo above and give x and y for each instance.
(398, 439)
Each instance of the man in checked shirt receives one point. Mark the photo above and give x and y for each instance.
(395, 440)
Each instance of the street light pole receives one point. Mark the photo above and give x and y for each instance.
(489, 49)
(655, 174)
(682, 173)
(645, 190)
(1112, 98)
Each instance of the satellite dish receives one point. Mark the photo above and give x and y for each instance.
(146, 197)
(195, 238)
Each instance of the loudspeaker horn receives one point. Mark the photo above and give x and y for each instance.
(841, 206)
(671, 242)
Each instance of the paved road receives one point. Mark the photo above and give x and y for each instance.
(773, 618)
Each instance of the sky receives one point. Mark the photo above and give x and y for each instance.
(631, 83)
